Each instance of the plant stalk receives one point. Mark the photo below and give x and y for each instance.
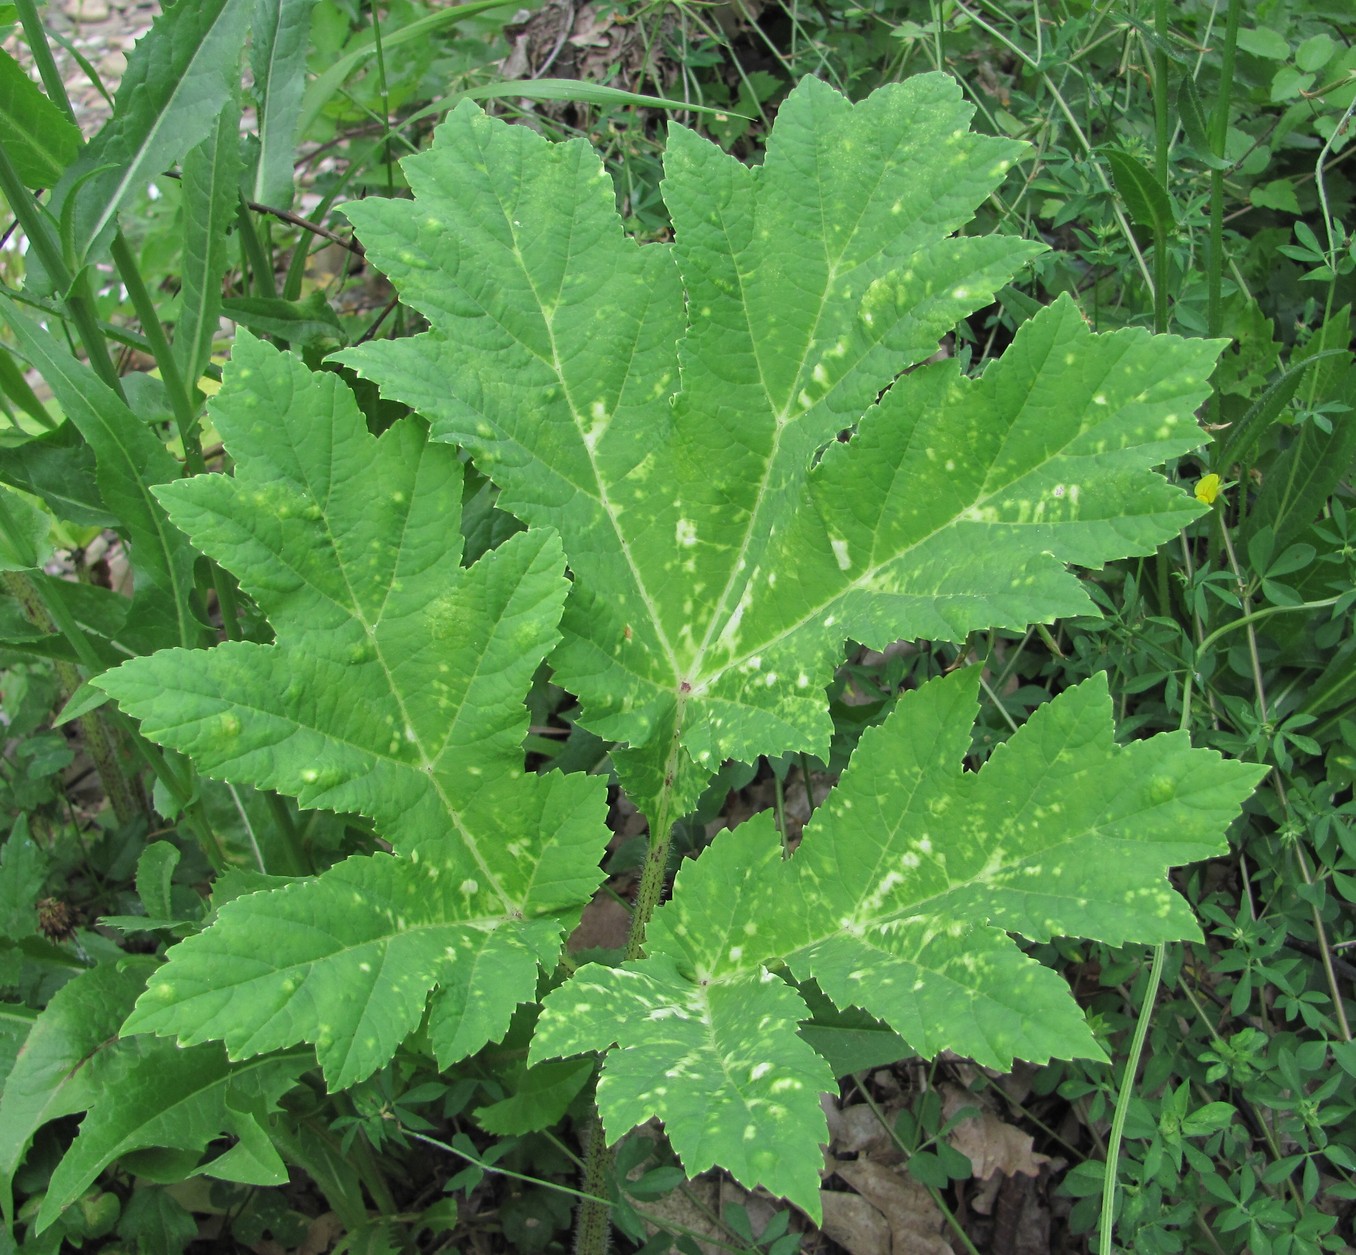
(1162, 140)
(1219, 135)
(1113, 1147)
(78, 293)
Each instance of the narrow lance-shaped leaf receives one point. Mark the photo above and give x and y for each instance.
(394, 690)
(130, 461)
(183, 1099)
(899, 900)
(179, 77)
(68, 1058)
(663, 407)
(280, 30)
(37, 137)
(211, 194)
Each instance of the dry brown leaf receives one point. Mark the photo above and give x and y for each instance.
(692, 1209)
(854, 1223)
(857, 1130)
(990, 1143)
(915, 1222)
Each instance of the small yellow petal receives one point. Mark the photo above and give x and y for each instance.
(1207, 488)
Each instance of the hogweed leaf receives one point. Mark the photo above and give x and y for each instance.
(395, 690)
(954, 507)
(899, 900)
(661, 405)
(707, 1036)
(1062, 832)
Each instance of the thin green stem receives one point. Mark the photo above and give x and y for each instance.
(908, 1152)
(1063, 106)
(299, 862)
(181, 403)
(1265, 613)
(496, 1170)
(42, 57)
(1113, 1147)
(1219, 135)
(1259, 683)
(384, 89)
(180, 397)
(79, 293)
(261, 265)
(1321, 187)
(1162, 141)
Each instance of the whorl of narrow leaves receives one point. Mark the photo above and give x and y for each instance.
(663, 405)
(394, 689)
(899, 900)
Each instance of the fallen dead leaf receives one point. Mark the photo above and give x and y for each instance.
(990, 1143)
(914, 1221)
(857, 1130)
(852, 1222)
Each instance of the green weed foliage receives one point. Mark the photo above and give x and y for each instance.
(882, 537)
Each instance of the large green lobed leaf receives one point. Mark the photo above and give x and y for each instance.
(899, 900)
(749, 458)
(395, 690)
(664, 407)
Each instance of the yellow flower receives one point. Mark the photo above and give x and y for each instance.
(1207, 488)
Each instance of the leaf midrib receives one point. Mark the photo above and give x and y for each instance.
(355, 611)
(870, 572)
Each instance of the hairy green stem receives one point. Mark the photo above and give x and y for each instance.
(593, 1225)
(593, 1221)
